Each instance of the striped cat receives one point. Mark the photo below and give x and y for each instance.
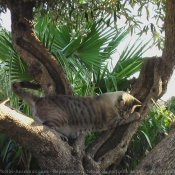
(71, 115)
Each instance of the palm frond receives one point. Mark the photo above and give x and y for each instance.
(130, 58)
(45, 31)
(5, 45)
(16, 67)
(129, 62)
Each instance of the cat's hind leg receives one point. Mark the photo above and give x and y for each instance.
(63, 137)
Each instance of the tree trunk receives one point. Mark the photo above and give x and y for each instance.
(45, 144)
(151, 85)
(161, 159)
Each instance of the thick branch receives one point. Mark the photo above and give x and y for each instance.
(43, 67)
(45, 144)
(160, 159)
(115, 154)
(145, 90)
(168, 56)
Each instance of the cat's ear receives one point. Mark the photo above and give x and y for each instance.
(136, 103)
(128, 101)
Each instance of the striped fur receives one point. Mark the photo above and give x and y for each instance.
(71, 115)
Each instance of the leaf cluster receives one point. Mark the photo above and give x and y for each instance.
(130, 13)
(170, 104)
(85, 56)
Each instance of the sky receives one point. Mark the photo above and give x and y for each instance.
(6, 22)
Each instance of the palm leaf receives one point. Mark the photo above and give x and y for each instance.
(45, 31)
(16, 67)
(131, 58)
(92, 49)
(5, 45)
(129, 62)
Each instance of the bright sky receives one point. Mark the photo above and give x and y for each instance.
(6, 22)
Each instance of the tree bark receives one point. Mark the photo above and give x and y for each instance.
(45, 144)
(150, 86)
(43, 67)
(161, 159)
(38, 139)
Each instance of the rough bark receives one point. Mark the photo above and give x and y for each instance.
(50, 151)
(151, 85)
(161, 159)
(117, 141)
(43, 67)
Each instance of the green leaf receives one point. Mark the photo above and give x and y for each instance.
(147, 138)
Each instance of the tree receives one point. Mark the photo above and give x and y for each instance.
(52, 153)
(129, 62)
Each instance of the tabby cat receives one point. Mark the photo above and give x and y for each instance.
(71, 115)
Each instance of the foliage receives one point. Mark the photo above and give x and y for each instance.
(133, 13)
(63, 11)
(80, 64)
(77, 13)
(14, 65)
(12, 155)
(151, 131)
(3, 6)
(129, 62)
(170, 104)
(87, 56)
(67, 11)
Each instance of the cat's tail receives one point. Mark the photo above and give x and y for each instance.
(24, 95)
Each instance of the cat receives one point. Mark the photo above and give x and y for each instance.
(70, 115)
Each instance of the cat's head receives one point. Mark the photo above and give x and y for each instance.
(126, 104)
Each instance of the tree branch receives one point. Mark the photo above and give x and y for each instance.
(168, 56)
(99, 141)
(43, 67)
(159, 161)
(115, 154)
(78, 145)
(50, 151)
